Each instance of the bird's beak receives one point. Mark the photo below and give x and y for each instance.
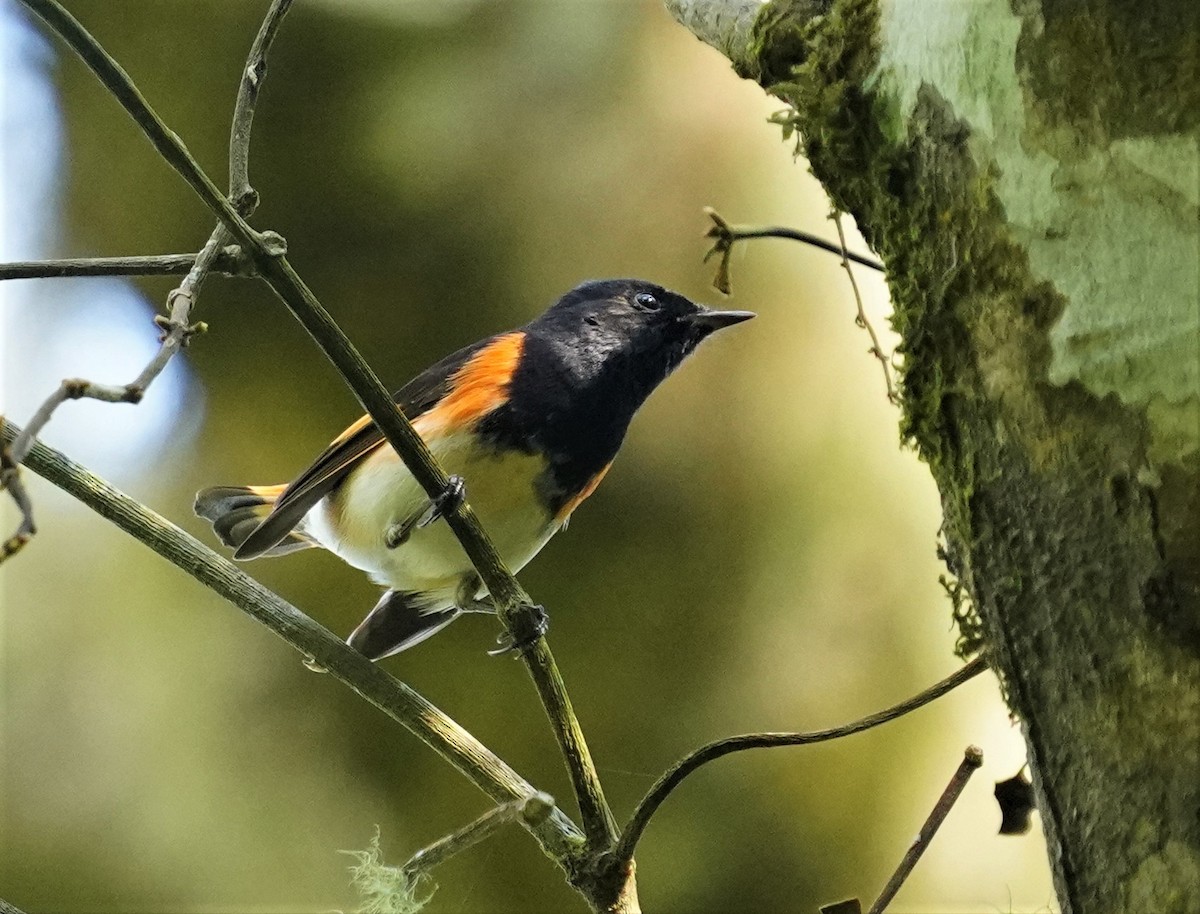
(712, 319)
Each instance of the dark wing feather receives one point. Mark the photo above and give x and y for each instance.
(418, 396)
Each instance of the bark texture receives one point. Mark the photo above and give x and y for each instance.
(1030, 172)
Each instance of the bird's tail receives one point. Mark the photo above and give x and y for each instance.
(236, 511)
(398, 621)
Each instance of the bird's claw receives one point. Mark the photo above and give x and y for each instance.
(529, 624)
(450, 498)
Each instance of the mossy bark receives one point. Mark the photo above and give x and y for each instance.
(1028, 169)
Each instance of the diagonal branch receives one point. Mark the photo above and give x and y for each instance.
(710, 752)
(972, 759)
(122, 88)
(487, 771)
(533, 808)
(512, 603)
(727, 27)
(409, 887)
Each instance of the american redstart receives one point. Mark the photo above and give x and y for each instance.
(526, 423)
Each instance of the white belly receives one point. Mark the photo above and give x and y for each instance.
(381, 493)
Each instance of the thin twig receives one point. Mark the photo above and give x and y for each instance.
(10, 479)
(177, 333)
(727, 234)
(860, 319)
(177, 327)
(409, 887)
(244, 197)
(532, 809)
(491, 774)
(181, 300)
(972, 759)
(710, 752)
(513, 605)
(229, 262)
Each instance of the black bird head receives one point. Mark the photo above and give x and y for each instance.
(629, 332)
(590, 362)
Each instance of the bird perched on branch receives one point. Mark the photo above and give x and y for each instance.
(526, 422)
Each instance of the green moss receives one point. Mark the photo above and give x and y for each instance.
(903, 194)
(1050, 520)
(387, 889)
(1144, 61)
(1165, 881)
(973, 319)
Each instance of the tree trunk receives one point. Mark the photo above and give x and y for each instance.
(1029, 171)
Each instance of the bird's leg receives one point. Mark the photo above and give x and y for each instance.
(530, 622)
(449, 499)
(466, 599)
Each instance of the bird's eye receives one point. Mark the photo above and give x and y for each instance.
(646, 301)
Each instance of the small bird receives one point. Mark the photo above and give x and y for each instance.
(525, 422)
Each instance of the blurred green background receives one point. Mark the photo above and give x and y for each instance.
(762, 556)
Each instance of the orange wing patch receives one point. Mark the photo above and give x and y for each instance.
(565, 511)
(479, 387)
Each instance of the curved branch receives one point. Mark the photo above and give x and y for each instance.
(532, 809)
(487, 771)
(710, 752)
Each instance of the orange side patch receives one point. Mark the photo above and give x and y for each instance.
(565, 511)
(268, 493)
(476, 389)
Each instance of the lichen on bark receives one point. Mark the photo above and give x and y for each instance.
(1052, 479)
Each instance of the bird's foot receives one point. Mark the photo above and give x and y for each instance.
(470, 597)
(434, 509)
(529, 623)
(478, 606)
